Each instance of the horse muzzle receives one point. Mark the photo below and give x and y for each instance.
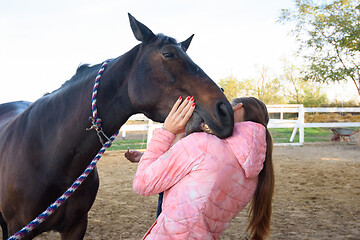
(220, 123)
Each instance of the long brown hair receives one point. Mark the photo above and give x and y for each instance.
(261, 204)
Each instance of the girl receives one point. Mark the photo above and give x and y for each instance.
(207, 181)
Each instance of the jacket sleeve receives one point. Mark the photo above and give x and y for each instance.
(161, 166)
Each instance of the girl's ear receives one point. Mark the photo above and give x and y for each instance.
(238, 106)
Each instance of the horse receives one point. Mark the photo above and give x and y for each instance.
(44, 146)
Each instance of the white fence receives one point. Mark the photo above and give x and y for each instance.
(148, 126)
(296, 124)
(299, 123)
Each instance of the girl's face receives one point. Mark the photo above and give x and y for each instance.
(238, 112)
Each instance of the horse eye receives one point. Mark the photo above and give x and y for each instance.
(168, 54)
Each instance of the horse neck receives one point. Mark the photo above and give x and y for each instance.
(62, 116)
(113, 104)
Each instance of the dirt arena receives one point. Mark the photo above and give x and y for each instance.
(317, 196)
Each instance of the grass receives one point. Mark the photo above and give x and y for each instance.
(280, 135)
(125, 144)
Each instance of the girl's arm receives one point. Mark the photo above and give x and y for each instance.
(161, 167)
(158, 169)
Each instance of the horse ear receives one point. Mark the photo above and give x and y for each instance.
(185, 44)
(141, 32)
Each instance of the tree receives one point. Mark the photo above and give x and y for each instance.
(298, 91)
(232, 87)
(329, 37)
(263, 87)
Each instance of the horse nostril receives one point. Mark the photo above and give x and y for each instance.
(225, 116)
(223, 110)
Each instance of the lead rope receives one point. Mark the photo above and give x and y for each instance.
(94, 119)
(96, 124)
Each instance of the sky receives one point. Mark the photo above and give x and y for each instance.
(42, 42)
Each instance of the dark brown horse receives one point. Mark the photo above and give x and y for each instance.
(45, 147)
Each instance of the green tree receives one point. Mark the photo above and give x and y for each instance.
(263, 87)
(299, 91)
(329, 37)
(232, 87)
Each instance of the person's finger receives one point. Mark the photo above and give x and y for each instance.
(176, 105)
(127, 153)
(180, 109)
(174, 122)
(183, 105)
(189, 112)
(187, 107)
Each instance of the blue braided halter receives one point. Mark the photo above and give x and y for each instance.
(96, 124)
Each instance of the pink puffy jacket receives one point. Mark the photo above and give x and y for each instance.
(206, 181)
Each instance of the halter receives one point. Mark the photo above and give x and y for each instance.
(96, 124)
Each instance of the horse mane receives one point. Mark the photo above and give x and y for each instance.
(82, 71)
(81, 68)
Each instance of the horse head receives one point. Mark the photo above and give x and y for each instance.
(163, 72)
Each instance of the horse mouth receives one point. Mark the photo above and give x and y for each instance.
(203, 127)
(206, 128)
(197, 124)
(220, 123)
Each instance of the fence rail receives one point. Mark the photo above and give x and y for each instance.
(298, 125)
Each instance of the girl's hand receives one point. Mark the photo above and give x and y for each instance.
(133, 155)
(179, 115)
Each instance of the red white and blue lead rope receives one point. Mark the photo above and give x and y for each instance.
(53, 207)
(95, 120)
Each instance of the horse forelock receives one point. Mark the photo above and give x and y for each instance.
(165, 40)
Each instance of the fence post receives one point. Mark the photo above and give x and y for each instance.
(150, 131)
(293, 133)
(302, 124)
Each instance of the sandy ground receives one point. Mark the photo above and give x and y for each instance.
(317, 196)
